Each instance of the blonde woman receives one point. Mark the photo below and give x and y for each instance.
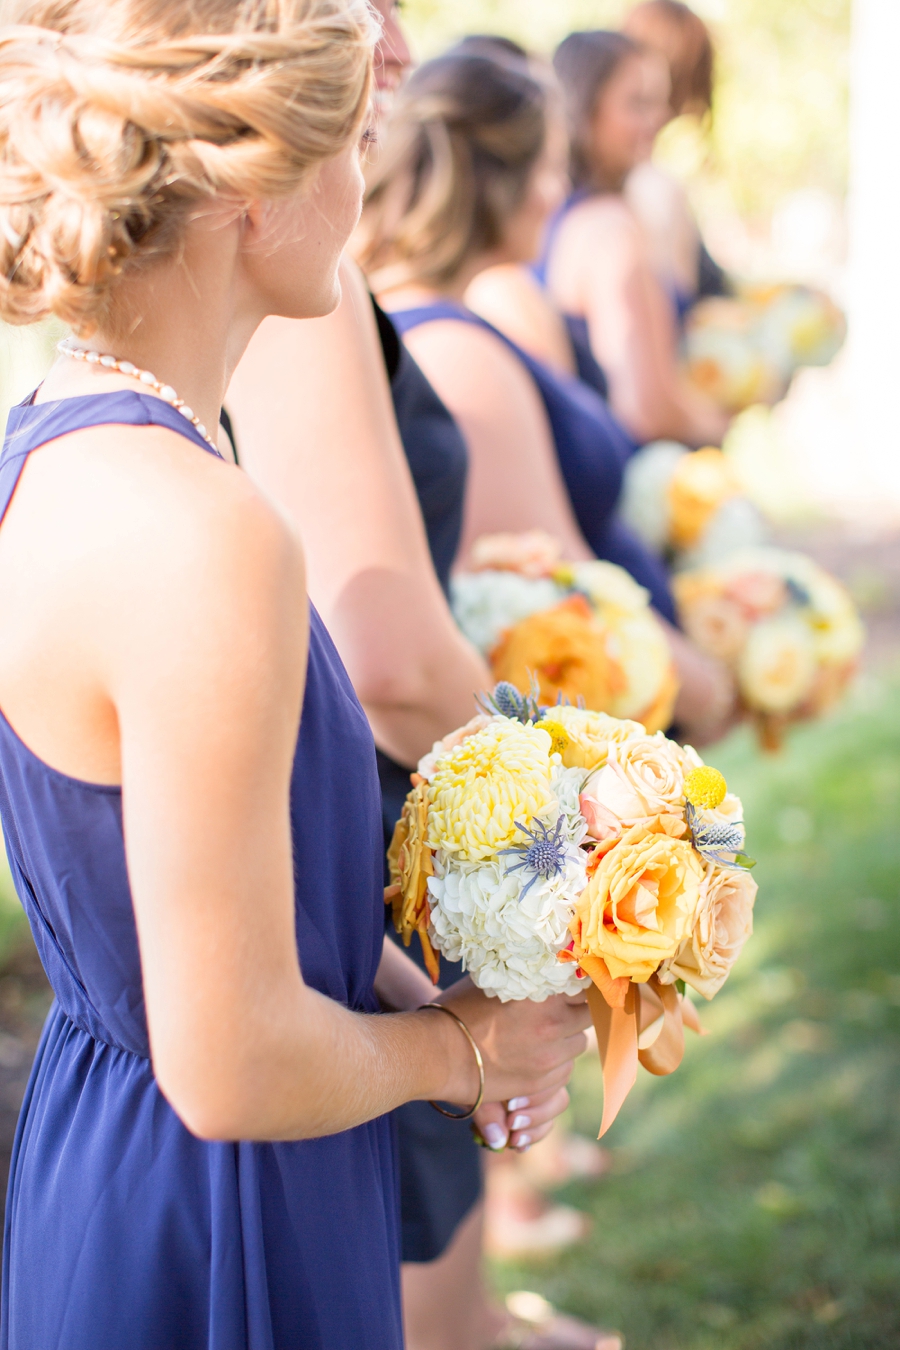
(187, 782)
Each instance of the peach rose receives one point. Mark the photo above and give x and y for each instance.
(640, 903)
(717, 625)
(533, 553)
(723, 923)
(587, 735)
(642, 777)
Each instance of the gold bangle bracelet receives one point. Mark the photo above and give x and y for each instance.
(466, 1115)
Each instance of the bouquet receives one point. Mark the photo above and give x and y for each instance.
(789, 631)
(747, 349)
(688, 506)
(584, 631)
(557, 849)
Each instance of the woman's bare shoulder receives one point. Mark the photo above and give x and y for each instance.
(471, 367)
(153, 501)
(607, 214)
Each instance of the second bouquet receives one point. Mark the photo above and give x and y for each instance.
(554, 850)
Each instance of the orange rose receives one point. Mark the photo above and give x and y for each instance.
(410, 865)
(566, 650)
(640, 902)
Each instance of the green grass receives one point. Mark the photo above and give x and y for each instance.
(754, 1201)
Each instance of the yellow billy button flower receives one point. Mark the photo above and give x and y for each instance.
(558, 735)
(705, 788)
(484, 786)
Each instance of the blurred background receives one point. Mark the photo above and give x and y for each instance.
(752, 1200)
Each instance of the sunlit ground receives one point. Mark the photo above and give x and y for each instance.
(755, 1195)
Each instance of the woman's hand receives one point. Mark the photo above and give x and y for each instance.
(707, 705)
(528, 1048)
(522, 1121)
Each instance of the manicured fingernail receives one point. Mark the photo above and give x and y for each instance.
(523, 1142)
(517, 1103)
(495, 1136)
(520, 1122)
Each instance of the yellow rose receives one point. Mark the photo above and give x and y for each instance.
(777, 668)
(484, 785)
(590, 734)
(698, 487)
(723, 923)
(640, 903)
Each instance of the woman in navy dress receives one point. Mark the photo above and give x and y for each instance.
(204, 1155)
(596, 262)
(545, 449)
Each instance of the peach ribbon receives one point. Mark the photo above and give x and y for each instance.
(620, 1033)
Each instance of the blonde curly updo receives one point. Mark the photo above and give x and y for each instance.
(118, 116)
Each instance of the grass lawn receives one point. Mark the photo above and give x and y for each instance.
(754, 1200)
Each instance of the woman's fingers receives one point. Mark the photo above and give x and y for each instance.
(528, 1124)
(491, 1122)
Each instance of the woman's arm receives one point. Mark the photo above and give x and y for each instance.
(600, 269)
(205, 641)
(315, 425)
(514, 479)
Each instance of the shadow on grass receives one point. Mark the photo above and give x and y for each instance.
(755, 1195)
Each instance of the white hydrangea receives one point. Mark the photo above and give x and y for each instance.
(568, 785)
(505, 931)
(644, 504)
(485, 604)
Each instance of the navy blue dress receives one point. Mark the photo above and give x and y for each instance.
(591, 448)
(440, 1165)
(123, 1230)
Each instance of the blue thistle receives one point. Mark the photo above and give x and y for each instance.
(714, 841)
(799, 594)
(544, 856)
(506, 700)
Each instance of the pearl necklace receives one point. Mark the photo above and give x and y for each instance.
(165, 391)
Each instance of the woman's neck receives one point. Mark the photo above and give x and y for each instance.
(179, 318)
(414, 294)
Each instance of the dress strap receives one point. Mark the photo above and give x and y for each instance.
(540, 268)
(31, 425)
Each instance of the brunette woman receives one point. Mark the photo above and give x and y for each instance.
(596, 265)
(672, 32)
(203, 1156)
(471, 168)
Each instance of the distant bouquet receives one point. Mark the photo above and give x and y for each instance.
(584, 631)
(746, 349)
(557, 849)
(687, 505)
(788, 630)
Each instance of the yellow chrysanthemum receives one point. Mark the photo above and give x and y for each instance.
(483, 786)
(705, 788)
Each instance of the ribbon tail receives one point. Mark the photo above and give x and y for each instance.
(667, 1051)
(691, 1018)
(617, 1037)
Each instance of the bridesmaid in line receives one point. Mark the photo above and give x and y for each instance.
(304, 384)
(597, 265)
(204, 1155)
(472, 167)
